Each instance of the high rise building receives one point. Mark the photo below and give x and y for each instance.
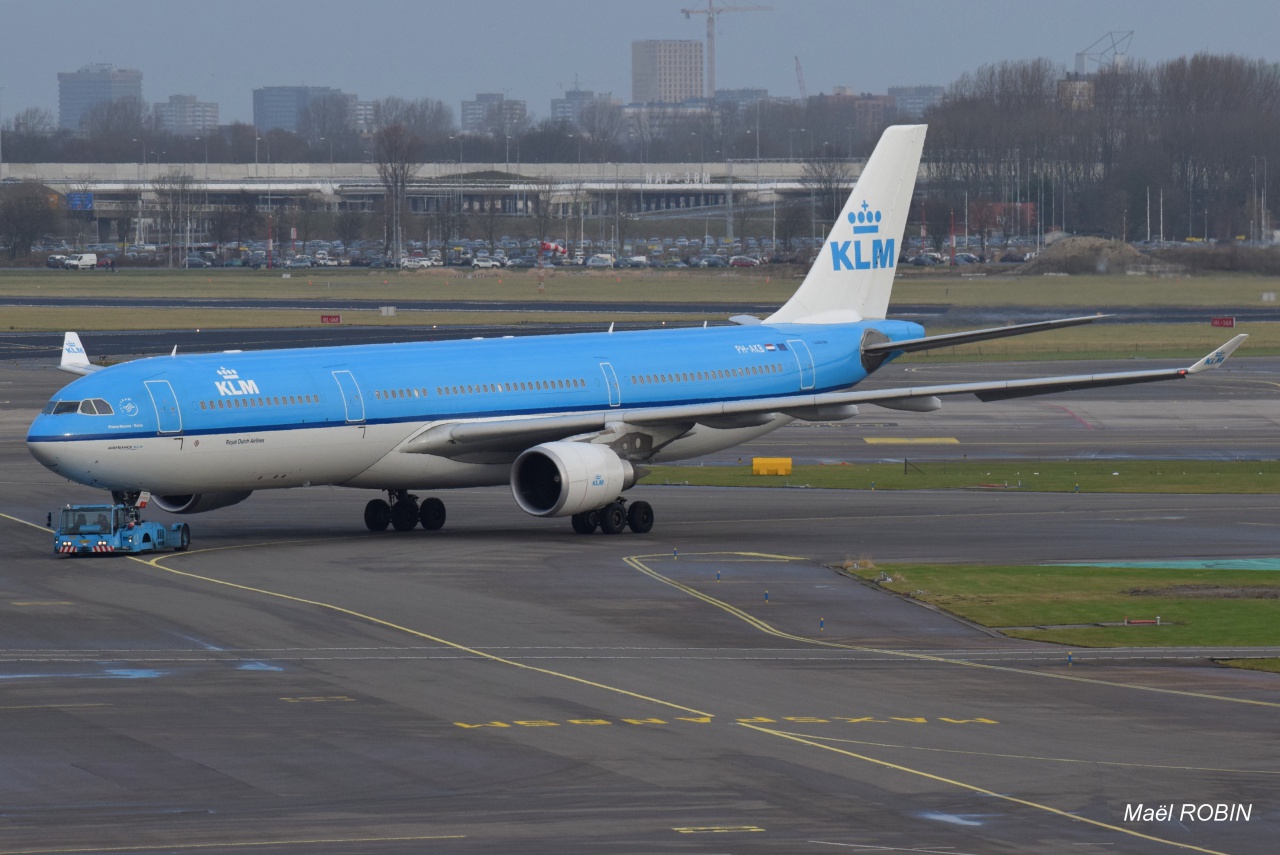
(184, 115)
(491, 111)
(282, 106)
(912, 101)
(575, 102)
(79, 91)
(665, 71)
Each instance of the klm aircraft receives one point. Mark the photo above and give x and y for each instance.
(569, 421)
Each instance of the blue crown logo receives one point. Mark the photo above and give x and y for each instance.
(865, 222)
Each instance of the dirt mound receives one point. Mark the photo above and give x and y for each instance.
(1084, 255)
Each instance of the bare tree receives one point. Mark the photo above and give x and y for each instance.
(828, 183)
(349, 225)
(173, 190)
(398, 155)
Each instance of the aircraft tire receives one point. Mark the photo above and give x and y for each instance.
(640, 517)
(432, 514)
(585, 522)
(377, 515)
(404, 515)
(613, 518)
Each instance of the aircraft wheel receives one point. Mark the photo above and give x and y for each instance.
(184, 539)
(432, 514)
(404, 515)
(640, 517)
(586, 522)
(377, 515)
(613, 518)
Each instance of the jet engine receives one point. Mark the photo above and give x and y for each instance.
(198, 503)
(558, 479)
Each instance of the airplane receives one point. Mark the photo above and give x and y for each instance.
(568, 421)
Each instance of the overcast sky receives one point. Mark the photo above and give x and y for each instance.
(220, 51)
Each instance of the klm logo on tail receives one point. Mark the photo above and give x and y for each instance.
(882, 254)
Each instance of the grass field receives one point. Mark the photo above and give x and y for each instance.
(1130, 476)
(731, 287)
(1196, 607)
(412, 292)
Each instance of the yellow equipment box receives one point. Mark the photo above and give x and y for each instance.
(771, 466)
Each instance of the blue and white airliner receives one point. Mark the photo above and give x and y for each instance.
(569, 421)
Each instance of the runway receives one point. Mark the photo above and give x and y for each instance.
(294, 684)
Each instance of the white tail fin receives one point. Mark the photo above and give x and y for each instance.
(74, 359)
(853, 275)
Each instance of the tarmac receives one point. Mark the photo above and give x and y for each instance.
(296, 684)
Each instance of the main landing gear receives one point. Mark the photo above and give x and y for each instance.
(403, 513)
(614, 517)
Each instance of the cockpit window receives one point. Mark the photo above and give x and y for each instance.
(57, 408)
(87, 408)
(104, 409)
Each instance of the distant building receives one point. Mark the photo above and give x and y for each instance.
(575, 101)
(741, 97)
(281, 106)
(492, 110)
(79, 91)
(912, 101)
(363, 116)
(185, 116)
(666, 71)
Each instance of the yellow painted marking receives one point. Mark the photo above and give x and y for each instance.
(910, 440)
(982, 790)
(180, 847)
(635, 563)
(155, 564)
(318, 699)
(1039, 759)
(717, 829)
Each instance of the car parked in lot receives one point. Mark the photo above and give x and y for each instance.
(485, 262)
(743, 261)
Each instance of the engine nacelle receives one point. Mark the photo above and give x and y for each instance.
(557, 479)
(198, 503)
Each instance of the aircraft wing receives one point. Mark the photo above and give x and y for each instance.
(457, 438)
(952, 339)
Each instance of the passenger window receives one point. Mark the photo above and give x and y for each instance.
(202, 405)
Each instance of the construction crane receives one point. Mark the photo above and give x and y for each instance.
(804, 93)
(1110, 51)
(711, 11)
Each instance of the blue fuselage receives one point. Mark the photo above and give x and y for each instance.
(280, 418)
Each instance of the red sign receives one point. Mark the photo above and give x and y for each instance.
(1222, 322)
(331, 319)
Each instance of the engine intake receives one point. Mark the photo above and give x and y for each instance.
(558, 479)
(198, 503)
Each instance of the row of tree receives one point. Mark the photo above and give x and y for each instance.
(1018, 147)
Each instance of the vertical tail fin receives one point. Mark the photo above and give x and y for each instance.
(853, 274)
(74, 359)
